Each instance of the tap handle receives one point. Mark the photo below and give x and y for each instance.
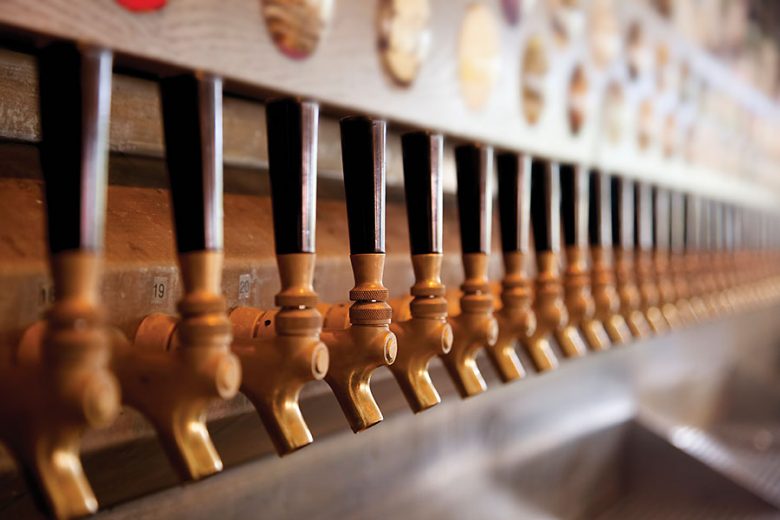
(717, 210)
(292, 165)
(732, 227)
(643, 216)
(514, 200)
(75, 103)
(599, 205)
(545, 205)
(363, 158)
(692, 217)
(473, 164)
(660, 210)
(422, 158)
(622, 212)
(677, 222)
(574, 205)
(192, 124)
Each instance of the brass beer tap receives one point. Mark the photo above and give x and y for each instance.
(661, 257)
(603, 281)
(420, 324)
(58, 382)
(552, 318)
(577, 278)
(471, 316)
(176, 366)
(359, 337)
(514, 312)
(643, 259)
(677, 259)
(623, 247)
(280, 349)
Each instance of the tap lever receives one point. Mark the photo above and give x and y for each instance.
(422, 160)
(599, 205)
(574, 205)
(642, 217)
(192, 116)
(622, 213)
(475, 196)
(363, 157)
(514, 201)
(292, 164)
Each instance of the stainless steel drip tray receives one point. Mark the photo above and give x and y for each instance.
(661, 429)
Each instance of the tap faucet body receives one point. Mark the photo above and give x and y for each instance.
(643, 259)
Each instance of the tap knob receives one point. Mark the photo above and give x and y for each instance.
(365, 343)
(622, 198)
(421, 325)
(280, 350)
(473, 326)
(677, 261)
(605, 297)
(62, 362)
(643, 242)
(661, 257)
(177, 367)
(551, 315)
(515, 316)
(577, 278)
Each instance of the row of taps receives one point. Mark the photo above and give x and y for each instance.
(639, 260)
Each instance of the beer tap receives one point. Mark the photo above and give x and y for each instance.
(420, 323)
(623, 247)
(577, 278)
(708, 281)
(718, 257)
(643, 259)
(552, 319)
(62, 361)
(514, 314)
(177, 366)
(677, 260)
(280, 349)
(471, 317)
(661, 257)
(358, 337)
(605, 294)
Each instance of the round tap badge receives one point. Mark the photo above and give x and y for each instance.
(479, 54)
(296, 26)
(404, 37)
(142, 5)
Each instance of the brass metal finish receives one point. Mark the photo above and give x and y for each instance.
(667, 295)
(473, 327)
(280, 351)
(515, 317)
(648, 291)
(551, 316)
(579, 299)
(176, 367)
(421, 327)
(62, 367)
(628, 293)
(359, 341)
(605, 296)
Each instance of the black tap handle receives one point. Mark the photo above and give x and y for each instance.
(75, 102)
(705, 223)
(192, 124)
(574, 205)
(422, 158)
(363, 159)
(292, 165)
(660, 210)
(545, 205)
(473, 164)
(514, 200)
(622, 212)
(643, 216)
(599, 209)
(677, 222)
